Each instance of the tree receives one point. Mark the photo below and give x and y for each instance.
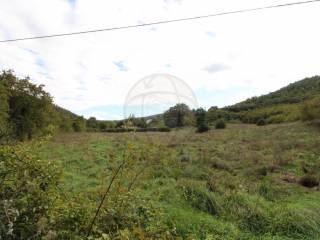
(201, 122)
(140, 123)
(174, 117)
(119, 124)
(25, 107)
(92, 124)
(4, 109)
(102, 126)
(79, 124)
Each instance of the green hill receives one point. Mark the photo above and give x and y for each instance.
(284, 105)
(297, 92)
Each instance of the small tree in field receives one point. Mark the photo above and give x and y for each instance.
(220, 124)
(201, 122)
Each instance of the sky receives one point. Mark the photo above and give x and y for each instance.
(222, 60)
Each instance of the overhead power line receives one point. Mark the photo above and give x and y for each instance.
(159, 22)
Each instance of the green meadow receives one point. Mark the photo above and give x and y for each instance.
(242, 182)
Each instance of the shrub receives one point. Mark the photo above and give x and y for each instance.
(27, 193)
(220, 124)
(309, 181)
(261, 122)
(310, 110)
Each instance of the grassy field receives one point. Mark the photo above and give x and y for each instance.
(242, 182)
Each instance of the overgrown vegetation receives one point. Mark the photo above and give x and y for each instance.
(243, 182)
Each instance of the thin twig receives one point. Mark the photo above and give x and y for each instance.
(104, 197)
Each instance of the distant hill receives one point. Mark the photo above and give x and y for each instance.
(283, 105)
(297, 92)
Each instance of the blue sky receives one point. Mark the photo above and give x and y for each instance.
(222, 60)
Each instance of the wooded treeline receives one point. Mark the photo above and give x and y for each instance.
(27, 110)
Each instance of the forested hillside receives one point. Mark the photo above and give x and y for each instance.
(297, 92)
(27, 110)
(297, 101)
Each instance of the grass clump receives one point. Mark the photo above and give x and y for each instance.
(199, 197)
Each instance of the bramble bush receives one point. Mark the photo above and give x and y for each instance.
(28, 191)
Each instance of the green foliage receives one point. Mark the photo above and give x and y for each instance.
(27, 192)
(140, 123)
(202, 125)
(310, 110)
(296, 92)
(220, 124)
(27, 111)
(79, 124)
(4, 109)
(92, 124)
(25, 107)
(199, 198)
(273, 114)
(297, 101)
(174, 117)
(197, 187)
(214, 114)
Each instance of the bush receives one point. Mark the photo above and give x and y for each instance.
(28, 191)
(261, 122)
(309, 181)
(220, 124)
(311, 110)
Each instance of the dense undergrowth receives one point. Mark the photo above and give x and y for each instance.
(243, 182)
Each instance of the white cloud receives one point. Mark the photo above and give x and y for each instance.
(262, 50)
